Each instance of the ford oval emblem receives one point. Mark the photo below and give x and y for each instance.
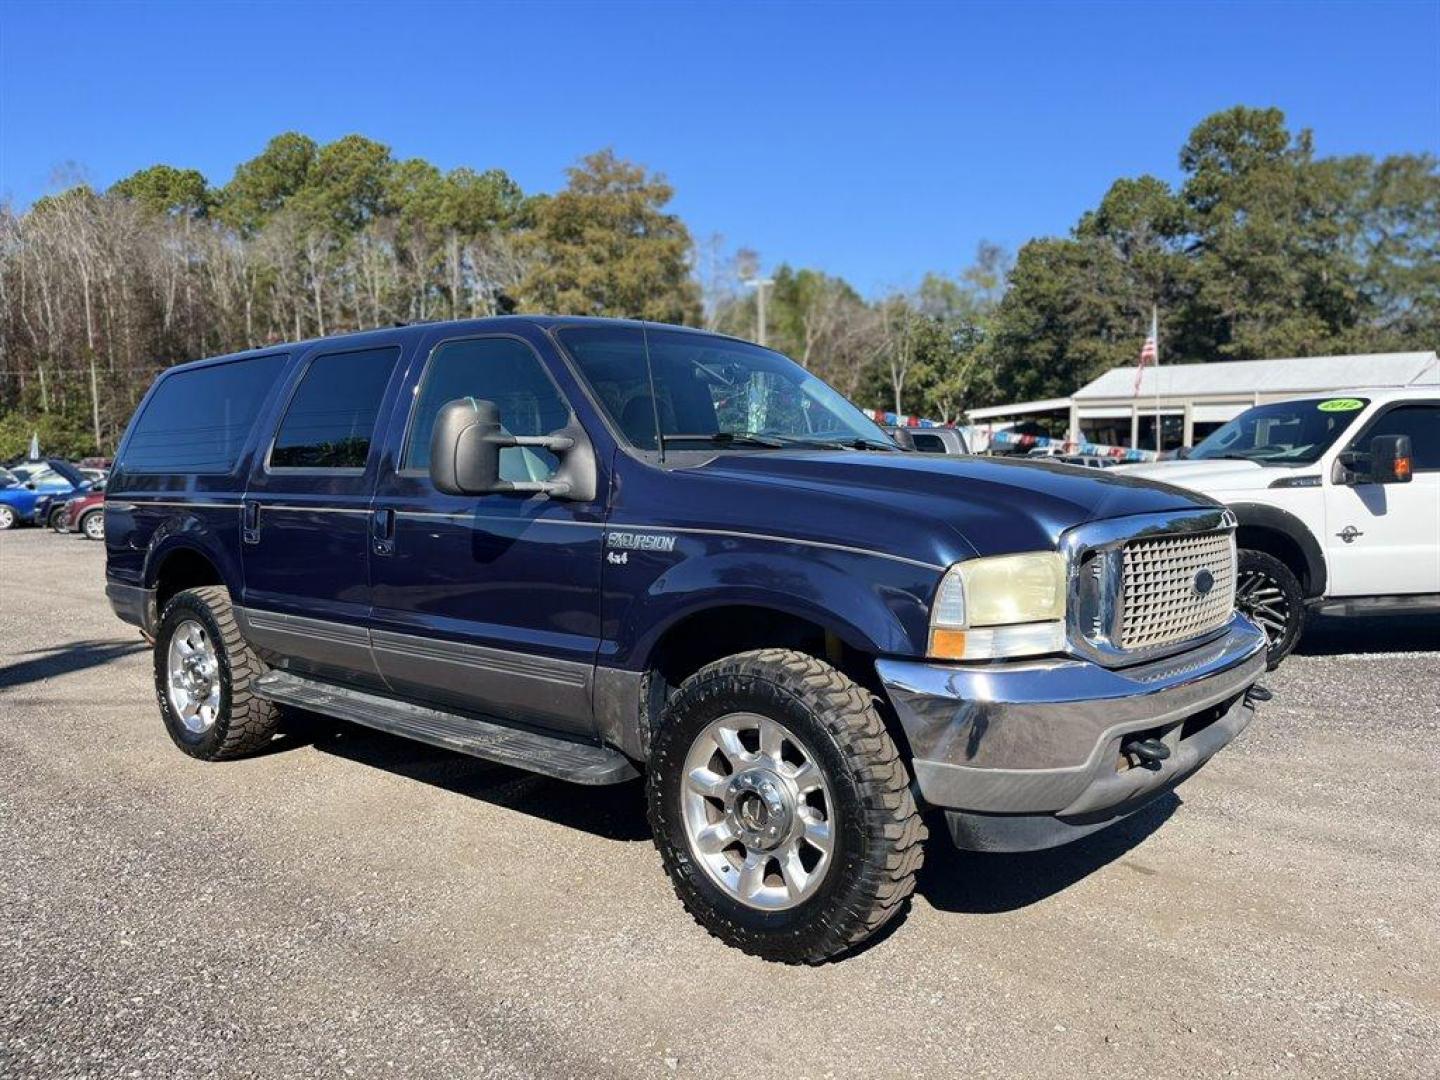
(1203, 583)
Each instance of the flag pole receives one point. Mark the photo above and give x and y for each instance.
(1155, 333)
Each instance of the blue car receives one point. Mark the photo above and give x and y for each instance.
(39, 486)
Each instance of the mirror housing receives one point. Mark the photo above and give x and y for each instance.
(465, 450)
(1391, 460)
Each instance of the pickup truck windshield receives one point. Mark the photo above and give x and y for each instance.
(1285, 433)
(713, 392)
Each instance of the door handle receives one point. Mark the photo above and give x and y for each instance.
(250, 522)
(382, 532)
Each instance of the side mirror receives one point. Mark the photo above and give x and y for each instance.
(1390, 459)
(465, 451)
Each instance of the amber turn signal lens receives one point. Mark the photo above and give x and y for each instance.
(947, 644)
(1402, 468)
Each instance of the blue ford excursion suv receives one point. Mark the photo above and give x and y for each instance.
(599, 549)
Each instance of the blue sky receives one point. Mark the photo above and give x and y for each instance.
(872, 140)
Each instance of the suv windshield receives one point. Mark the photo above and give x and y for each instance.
(713, 391)
(1286, 433)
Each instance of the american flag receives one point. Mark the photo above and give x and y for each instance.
(1150, 351)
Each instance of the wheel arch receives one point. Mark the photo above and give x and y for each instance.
(1281, 534)
(180, 561)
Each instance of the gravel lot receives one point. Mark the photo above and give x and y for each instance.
(354, 904)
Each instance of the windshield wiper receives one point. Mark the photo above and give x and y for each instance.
(733, 438)
(859, 442)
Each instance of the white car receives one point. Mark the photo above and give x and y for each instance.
(1338, 500)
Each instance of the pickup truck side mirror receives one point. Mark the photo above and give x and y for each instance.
(1390, 459)
(465, 454)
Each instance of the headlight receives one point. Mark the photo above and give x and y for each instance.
(1007, 605)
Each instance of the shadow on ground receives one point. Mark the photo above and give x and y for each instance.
(53, 661)
(613, 812)
(956, 881)
(1336, 636)
(983, 883)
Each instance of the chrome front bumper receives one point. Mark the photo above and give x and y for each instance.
(1027, 755)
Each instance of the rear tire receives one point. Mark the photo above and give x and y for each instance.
(7, 518)
(827, 737)
(92, 524)
(204, 673)
(1268, 591)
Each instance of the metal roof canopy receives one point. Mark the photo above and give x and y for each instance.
(1023, 408)
(1239, 378)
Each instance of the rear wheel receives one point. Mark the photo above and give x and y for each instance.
(1268, 591)
(92, 524)
(204, 672)
(781, 807)
(7, 518)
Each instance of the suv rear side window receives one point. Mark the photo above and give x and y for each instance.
(197, 421)
(1421, 422)
(331, 418)
(502, 370)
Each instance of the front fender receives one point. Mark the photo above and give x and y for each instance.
(1259, 515)
(873, 604)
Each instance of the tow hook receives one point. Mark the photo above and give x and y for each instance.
(1259, 693)
(1150, 751)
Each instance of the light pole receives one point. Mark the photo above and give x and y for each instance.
(760, 285)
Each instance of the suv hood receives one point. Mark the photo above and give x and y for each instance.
(995, 505)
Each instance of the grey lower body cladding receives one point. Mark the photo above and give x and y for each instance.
(1030, 755)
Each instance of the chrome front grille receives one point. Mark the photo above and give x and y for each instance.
(1174, 588)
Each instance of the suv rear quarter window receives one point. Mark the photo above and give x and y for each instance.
(198, 420)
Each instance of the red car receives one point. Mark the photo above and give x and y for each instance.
(86, 513)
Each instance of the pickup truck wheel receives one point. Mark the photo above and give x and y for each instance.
(781, 807)
(1268, 591)
(92, 524)
(203, 674)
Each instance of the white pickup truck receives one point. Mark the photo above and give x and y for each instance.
(1338, 500)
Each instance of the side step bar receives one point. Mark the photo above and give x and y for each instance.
(580, 763)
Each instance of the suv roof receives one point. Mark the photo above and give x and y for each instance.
(493, 322)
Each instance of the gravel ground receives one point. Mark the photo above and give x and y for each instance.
(354, 904)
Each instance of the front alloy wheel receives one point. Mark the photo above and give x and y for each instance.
(756, 811)
(1268, 592)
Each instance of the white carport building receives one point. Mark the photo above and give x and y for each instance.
(1192, 400)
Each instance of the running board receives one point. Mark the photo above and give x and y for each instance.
(578, 763)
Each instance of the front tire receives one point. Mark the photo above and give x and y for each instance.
(7, 518)
(781, 808)
(56, 520)
(1268, 591)
(204, 673)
